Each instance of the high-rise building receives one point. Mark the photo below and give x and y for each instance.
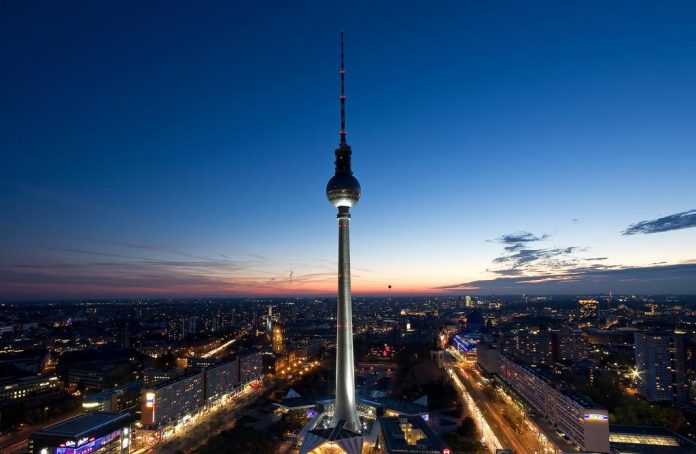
(534, 347)
(570, 346)
(661, 366)
(343, 191)
(468, 302)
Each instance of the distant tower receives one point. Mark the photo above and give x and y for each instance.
(269, 323)
(278, 338)
(343, 191)
(437, 354)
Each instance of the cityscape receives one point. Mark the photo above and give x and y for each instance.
(511, 268)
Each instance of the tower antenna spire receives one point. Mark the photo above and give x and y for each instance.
(343, 96)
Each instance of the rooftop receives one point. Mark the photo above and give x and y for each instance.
(409, 434)
(174, 380)
(554, 383)
(403, 407)
(648, 440)
(82, 425)
(297, 402)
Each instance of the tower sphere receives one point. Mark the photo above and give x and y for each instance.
(343, 190)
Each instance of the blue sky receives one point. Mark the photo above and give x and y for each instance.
(173, 148)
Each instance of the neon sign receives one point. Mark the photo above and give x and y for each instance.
(595, 417)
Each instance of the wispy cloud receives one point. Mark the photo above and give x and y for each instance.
(677, 221)
(520, 258)
(517, 241)
(522, 268)
(676, 279)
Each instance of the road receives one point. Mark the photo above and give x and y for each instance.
(502, 428)
(223, 347)
(520, 440)
(488, 437)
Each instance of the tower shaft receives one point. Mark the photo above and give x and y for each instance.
(345, 365)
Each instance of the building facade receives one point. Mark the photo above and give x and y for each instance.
(661, 366)
(534, 347)
(250, 368)
(25, 389)
(488, 357)
(167, 402)
(221, 379)
(120, 398)
(583, 422)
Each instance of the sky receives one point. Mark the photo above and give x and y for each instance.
(172, 148)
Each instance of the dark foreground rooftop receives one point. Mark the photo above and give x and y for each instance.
(409, 434)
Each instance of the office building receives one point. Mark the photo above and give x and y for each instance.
(583, 422)
(26, 389)
(167, 402)
(468, 302)
(95, 432)
(120, 398)
(661, 366)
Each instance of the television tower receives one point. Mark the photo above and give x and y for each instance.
(343, 191)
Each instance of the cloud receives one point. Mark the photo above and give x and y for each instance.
(677, 221)
(520, 259)
(570, 269)
(673, 279)
(520, 237)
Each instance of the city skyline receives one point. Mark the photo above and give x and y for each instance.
(549, 150)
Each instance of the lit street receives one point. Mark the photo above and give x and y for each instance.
(519, 438)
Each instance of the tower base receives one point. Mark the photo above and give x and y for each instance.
(333, 440)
